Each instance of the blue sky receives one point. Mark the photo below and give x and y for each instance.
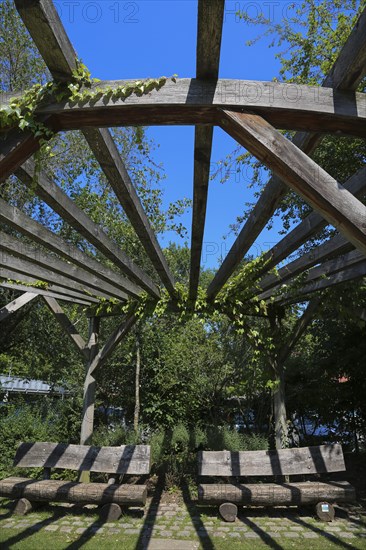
(151, 38)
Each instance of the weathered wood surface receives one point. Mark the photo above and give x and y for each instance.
(15, 148)
(87, 422)
(346, 73)
(23, 507)
(16, 304)
(53, 195)
(209, 35)
(196, 101)
(277, 494)
(67, 491)
(126, 459)
(15, 218)
(53, 291)
(303, 460)
(68, 327)
(325, 195)
(332, 248)
(110, 512)
(228, 511)
(328, 268)
(43, 20)
(105, 151)
(325, 511)
(309, 226)
(36, 264)
(348, 274)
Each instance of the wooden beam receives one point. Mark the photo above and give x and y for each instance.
(67, 326)
(87, 423)
(332, 248)
(55, 291)
(309, 226)
(76, 275)
(16, 304)
(209, 35)
(41, 292)
(101, 143)
(326, 269)
(118, 334)
(303, 175)
(26, 266)
(347, 72)
(15, 148)
(22, 223)
(349, 274)
(52, 195)
(42, 20)
(196, 101)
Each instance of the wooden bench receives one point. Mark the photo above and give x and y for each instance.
(126, 459)
(285, 462)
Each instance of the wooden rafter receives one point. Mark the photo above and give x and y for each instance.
(16, 304)
(209, 35)
(77, 277)
(324, 194)
(19, 281)
(309, 226)
(67, 326)
(43, 20)
(53, 195)
(326, 269)
(332, 248)
(352, 273)
(22, 223)
(346, 74)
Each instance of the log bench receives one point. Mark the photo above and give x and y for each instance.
(117, 461)
(285, 462)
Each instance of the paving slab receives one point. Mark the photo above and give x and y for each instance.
(164, 544)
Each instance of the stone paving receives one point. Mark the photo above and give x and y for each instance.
(188, 527)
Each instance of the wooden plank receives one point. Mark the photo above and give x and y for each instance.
(16, 219)
(16, 304)
(67, 326)
(50, 293)
(40, 273)
(52, 195)
(277, 494)
(196, 101)
(327, 268)
(117, 335)
(69, 491)
(333, 247)
(209, 36)
(310, 225)
(101, 143)
(302, 174)
(303, 460)
(76, 275)
(347, 72)
(15, 148)
(125, 459)
(353, 273)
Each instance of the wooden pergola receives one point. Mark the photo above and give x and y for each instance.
(249, 111)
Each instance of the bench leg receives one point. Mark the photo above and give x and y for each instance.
(325, 511)
(228, 511)
(23, 506)
(110, 512)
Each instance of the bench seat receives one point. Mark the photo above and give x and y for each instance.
(277, 494)
(50, 490)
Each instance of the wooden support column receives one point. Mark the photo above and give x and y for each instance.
(278, 390)
(87, 423)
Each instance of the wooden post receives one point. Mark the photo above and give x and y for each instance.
(87, 423)
(278, 391)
